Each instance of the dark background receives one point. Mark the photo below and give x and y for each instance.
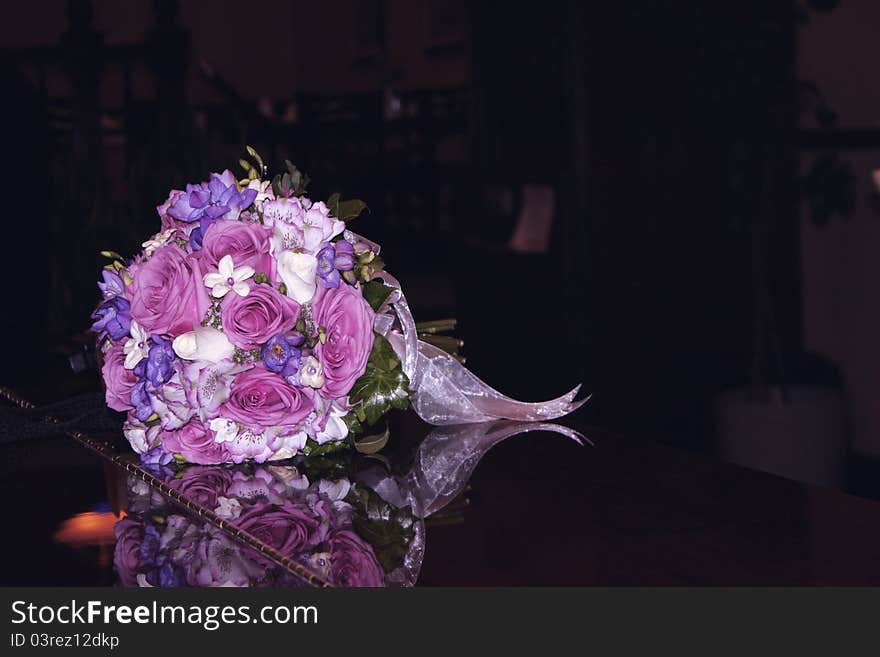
(693, 168)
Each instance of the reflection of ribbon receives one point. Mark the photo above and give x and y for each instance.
(446, 392)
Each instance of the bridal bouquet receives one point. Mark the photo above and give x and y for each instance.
(255, 325)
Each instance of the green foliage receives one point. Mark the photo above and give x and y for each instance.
(383, 386)
(345, 210)
(372, 443)
(375, 293)
(387, 529)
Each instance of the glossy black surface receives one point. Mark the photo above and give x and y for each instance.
(538, 509)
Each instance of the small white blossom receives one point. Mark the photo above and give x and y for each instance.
(311, 373)
(228, 508)
(158, 240)
(135, 348)
(264, 192)
(229, 278)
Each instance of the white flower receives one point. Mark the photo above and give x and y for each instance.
(229, 278)
(228, 508)
(225, 431)
(334, 490)
(205, 343)
(291, 446)
(289, 476)
(311, 373)
(264, 192)
(158, 240)
(318, 226)
(135, 348)
(298, 271)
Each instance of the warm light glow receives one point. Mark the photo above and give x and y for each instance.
(89, 528)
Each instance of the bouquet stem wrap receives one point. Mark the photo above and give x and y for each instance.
(444, 391)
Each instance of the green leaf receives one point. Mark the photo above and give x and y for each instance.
(345, 210)
(375, 293)
(374, 443)
(353, 423)
(387, 529)
(383, 385)
(253, 153)
(312, 448)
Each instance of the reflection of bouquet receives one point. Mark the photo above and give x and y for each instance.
(255, 325)
(326, 525)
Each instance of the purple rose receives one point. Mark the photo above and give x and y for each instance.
(195, 443)
(286, 527)
(118, 381)
(246, 242)
(203, 485)
(126, 556)
(352, 561)
(113, 318)
(250, 321)
(168, 293)
(261, 399)
(348, 322)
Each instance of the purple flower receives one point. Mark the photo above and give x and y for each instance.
(209, 201)
(160, 361)
(332, 259)
(157, 457)
(291, 371)
(278, 352)
(149, 548)
(112, 286)
(171, 576)
(328, 276)
(113, 318)
(344, 255)
(140, 399)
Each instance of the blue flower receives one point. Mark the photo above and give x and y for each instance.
(160, 361)
(278, 352)
(209, 201)
(112, 285)
(113, 318)
(140, 399)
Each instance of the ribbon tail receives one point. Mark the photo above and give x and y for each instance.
(446, 392)
(449, 393)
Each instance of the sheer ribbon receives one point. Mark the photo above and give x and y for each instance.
(446, 392)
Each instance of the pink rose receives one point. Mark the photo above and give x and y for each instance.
(118, 381)
(168, 293)
(246, 242)
(250, 321)
(203, 485)
(126, 556)
(352, 561)
(261, 399)
(195, 443)
(348, 322)
(286, 527)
